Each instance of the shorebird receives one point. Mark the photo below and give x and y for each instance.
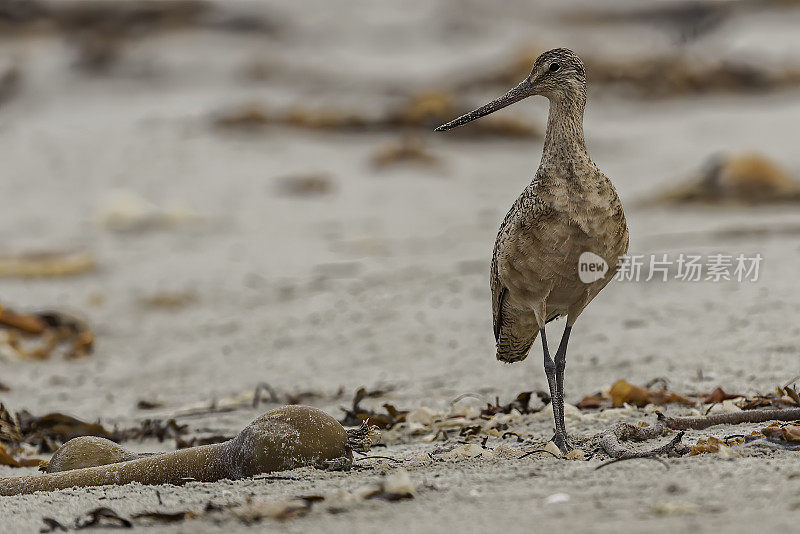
(564, 219)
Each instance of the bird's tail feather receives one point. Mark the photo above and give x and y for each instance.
(517, 336)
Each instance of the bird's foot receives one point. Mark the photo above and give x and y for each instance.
(562, 442)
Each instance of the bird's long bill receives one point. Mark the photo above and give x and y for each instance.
(515, 95)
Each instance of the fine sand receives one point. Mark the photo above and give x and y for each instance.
(383, 280)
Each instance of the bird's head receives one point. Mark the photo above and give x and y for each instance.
(556, 74)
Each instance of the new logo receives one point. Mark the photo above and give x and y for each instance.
(591, 267)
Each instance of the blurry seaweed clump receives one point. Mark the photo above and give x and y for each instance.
(421, 111)
(683, 20)
(679, 71)
(47, 263)
(673, 75)
(305, 185)
(39, 335)
(98, 30)
(407, 149)
(748, 178)
(658, 75)
(10, 77)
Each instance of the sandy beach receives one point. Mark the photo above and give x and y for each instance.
(291, 256)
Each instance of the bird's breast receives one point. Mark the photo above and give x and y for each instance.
(543, 247)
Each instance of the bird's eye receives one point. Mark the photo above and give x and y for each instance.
(554, 67)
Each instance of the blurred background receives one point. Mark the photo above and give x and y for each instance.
(224, 193)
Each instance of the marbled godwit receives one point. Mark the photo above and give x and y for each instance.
(570, 208)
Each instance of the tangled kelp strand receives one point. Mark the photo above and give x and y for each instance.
(44, 433)
(281, 439)
(357, 414)
(611, 439)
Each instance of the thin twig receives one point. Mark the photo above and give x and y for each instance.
(554, 455)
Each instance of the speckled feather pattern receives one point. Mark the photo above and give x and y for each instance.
(569, 208)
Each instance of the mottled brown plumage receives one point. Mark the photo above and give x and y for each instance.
(569, 208)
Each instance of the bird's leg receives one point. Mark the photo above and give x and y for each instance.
(552, 382)
(560, 439)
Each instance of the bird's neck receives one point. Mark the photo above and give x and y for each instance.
(564, 138)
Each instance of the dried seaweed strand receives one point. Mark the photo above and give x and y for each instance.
(360, 439)
(612, 438)
(733, 418)
(554, 455)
